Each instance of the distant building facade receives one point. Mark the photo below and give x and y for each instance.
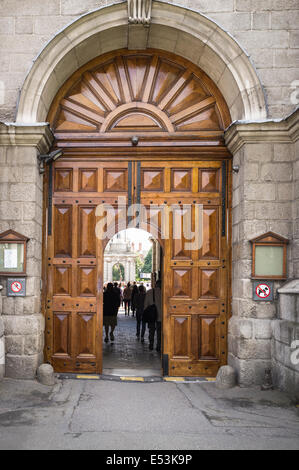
(120, 251)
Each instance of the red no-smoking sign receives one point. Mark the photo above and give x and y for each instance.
(16, 287)
(263, 291)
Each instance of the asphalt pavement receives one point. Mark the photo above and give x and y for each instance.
(116, 415)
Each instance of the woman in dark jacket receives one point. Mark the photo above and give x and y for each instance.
(111, 304)
(139, 305)
(133, 302)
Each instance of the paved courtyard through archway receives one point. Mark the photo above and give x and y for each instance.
(127, 355)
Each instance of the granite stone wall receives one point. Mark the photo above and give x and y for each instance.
(285, 341)
(2, 343)
(21, 200)
(262, 201)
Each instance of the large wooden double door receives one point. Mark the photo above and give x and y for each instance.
(177, 159)
(195, 278)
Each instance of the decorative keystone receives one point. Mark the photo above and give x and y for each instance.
(139, 12)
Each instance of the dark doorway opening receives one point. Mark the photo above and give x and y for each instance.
(136, 258)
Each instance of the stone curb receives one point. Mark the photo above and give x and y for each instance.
(128, 379)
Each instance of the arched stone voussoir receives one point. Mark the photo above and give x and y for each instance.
(173, 29)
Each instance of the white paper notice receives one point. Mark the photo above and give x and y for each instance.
(10, 259)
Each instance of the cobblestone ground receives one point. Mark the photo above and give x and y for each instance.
(127, 353)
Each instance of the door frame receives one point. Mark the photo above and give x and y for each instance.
(143, 155)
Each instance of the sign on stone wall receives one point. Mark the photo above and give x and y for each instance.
(263, 290)
(16, 287)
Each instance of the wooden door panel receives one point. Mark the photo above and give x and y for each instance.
(86, 231)
(63, 223)
(115, 180)
(63, 179)
(209, 284)
(209, 180)
(208, 337)
(75, 261)
(62, 280)
(181, 341)
(211, 238)
(85, 336)
(152, 179)
(61, 334)
(87, 281)
(182, 285)
(88, 180)
(181, 180)
(195, 295)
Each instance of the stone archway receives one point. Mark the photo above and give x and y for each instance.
(174, 29)
(106, 29)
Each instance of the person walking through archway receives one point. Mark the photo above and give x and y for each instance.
(133, 302)
(111, 305)
(152, 315)
(117, 293)
(127, 298)
(139, 299)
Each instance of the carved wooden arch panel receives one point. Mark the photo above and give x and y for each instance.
(138, 93)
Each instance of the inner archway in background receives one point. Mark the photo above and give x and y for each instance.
(128, 352)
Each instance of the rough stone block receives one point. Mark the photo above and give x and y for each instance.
(77, 7)
(233, 21)
(22, 367)
(285, 19)
(226, 378)
(2, 350)
(43, 26)
(269, 39)
(45, 374)
(287, 304)
(1, 327)
(282, 331)
(263, 329)
(253, 349)
(245, 329)
(29, 7)
(23, 325)
(6, 25)
(277, 172)
(286, 379)
(261, 20)
(285, 191)
(260, 191)
(8, 306)
(249, 372)
(24, 25)
(208, 6)
(33, 344)
(23, 192)
(15, 345)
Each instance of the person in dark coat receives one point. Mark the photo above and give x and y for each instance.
(133, 303)
(117, 293)
(139, 306)
(111, 305)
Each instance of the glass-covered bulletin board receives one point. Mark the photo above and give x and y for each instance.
(269, 257)
(12, 253)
